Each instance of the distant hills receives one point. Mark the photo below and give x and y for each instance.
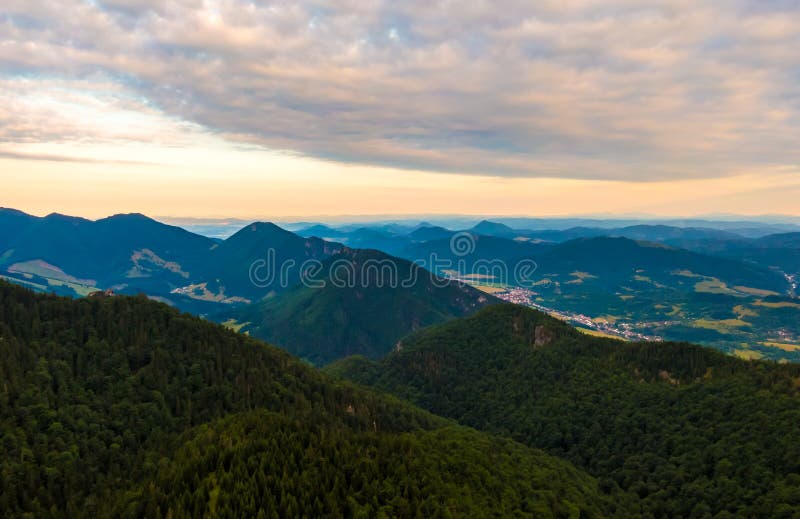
(610, 262)
(443, 254)
(119, 251)
(133, 253)
(781, 251)
(683, 428)
(360, 302)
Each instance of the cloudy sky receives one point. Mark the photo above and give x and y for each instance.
(251, 109)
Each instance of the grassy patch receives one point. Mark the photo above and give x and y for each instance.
(24, 282)
(721, 325)
(46, 270)
(473, 277)
(490, 289)
(234, 325)
(755, 291)
(676, 311)
(81, 290)
(779, 304)
(200, 292)
(713, 286)
(685, 273)
(785, 346)
(597, 333)
(610, 319)
(748, 354)
(742, 311)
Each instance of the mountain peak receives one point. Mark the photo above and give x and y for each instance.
(488, 224)
(492, 228)
(16, 212)
(58, 217)
(262, 229)
(128, 218)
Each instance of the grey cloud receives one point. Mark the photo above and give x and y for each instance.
(622, 89)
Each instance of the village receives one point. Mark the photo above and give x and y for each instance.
(527, 297)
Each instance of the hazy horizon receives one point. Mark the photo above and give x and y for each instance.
(344, 219)
(236, 109)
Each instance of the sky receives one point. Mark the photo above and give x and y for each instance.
(230, 108)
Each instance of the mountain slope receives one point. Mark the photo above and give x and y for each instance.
(130, 251)
(363, 307)
(670, 234)
(689, 430)
(12, 224)
(487, 228)
(781, 251)
(471, 253)
(321, 231)
(428, 233)
(789, 240)
(268, 249)
(258, 461)
(614, 261)
(122, 407)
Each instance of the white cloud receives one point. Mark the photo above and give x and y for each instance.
(624, 89)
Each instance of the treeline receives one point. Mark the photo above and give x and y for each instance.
(691, 432)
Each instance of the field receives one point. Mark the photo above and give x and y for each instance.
(232, 324)
(781, 304)
(596, 333)
(47, 271)
(36, 276)
(491, 289)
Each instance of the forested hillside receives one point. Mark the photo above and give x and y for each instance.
(118, 406)
(261, 464)
(360, 302)
(690, 431)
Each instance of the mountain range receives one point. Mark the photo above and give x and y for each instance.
(119, 251)
(699, 284)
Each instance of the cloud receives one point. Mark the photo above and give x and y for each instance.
(615, 89)
(64, 158)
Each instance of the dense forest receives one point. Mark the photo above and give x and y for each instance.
(361, 302)
(691, 432)
(262, 464)
(121, 406)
